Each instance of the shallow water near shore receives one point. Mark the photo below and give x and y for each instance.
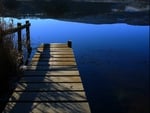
(113, 60)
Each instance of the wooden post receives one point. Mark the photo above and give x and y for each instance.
(19, 38)
(70, 43)
(28, 36)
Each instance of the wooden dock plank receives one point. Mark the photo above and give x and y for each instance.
(48, 96)
(53, 63)
(51, 68)
(47, 107)
(52, 56)
(46, 86)
(55, 53)
(53, 59)
(54, 45)
(51, 79)
(54, 49)
(48, 73)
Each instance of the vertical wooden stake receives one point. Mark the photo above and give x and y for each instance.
(70, 43)
(19, 38)
(28, 36)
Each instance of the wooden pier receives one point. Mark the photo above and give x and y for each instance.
(51, 84)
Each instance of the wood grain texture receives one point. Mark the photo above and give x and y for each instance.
(47, 86)
(47, 107)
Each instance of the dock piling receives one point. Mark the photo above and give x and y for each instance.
(70, 43)
(28, 37)
(19, 38)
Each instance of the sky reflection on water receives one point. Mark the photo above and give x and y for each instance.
(113, 60)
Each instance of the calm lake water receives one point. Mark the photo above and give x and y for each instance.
(113, 60)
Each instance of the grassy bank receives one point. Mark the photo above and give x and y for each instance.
(8, 62)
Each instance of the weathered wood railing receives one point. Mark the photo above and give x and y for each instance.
(18, 29)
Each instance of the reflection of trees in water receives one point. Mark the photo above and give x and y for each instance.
(53, 7)
(93, 12)
(60, 6)
(10, 4)
(57, 8)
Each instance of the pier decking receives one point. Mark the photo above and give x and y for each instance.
(51, 84)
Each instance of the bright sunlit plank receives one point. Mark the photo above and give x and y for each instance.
(51, 79)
